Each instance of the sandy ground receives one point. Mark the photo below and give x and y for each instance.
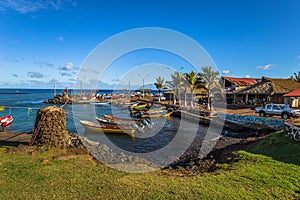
(14, 138)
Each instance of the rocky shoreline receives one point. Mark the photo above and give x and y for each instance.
(59, 99)
(191, 162)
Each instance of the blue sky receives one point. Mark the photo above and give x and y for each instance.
(42, 42)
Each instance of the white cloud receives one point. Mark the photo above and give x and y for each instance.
(63, 73)
(298, 57)
(226, 71)
(247, 76)
(60, 38)
(265, 67)
(30, 6)
(69, 66)
(41, 63)
(34, 74)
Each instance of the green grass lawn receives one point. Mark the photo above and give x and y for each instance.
(270, 170)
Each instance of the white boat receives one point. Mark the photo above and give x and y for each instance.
(101, 103)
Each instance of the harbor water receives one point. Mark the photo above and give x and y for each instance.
(23, 105)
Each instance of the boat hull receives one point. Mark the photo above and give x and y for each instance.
(240, 123)
(105, 129)
(156, 115)
(6, 120)
(101, 103)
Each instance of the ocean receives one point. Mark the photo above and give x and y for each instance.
(23, 105)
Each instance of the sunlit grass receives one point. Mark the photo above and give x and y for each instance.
(255, 175)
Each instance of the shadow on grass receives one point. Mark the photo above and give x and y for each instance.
(11, 144)
(279, 147)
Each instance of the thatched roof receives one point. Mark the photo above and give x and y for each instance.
(271, 86)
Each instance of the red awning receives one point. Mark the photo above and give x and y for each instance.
(294, 93)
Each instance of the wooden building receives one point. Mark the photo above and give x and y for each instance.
(268, 90)
(293, 98)
(232, 84)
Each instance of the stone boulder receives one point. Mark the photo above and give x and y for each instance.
(50, 128)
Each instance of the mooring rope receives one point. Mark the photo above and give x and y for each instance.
(29, 109)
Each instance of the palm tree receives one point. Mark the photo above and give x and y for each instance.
(160, 84)
(175, 85)
(210, 79)
(194, 81)
(296, 77)
(185, 85)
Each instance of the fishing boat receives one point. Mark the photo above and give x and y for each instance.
(240, 123)
(137, 125)
(6, 120)
(167, 114)
(123, 105)
(153, 113)
(146, 122)
(138, 106)
(105, 128)
(118, 118)
(101, 103)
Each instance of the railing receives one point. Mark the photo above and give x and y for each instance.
(292, 131)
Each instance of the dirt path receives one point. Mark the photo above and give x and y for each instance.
(14, 138)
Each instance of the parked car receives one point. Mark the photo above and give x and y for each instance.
(275, 109)
(162, 98)
(296, 112)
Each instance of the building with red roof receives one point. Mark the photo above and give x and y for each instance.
(293, 97)
(232, 84)
(268, 90)
(294, 93)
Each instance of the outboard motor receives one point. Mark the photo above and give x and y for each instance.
(148, 123)
(139, 127)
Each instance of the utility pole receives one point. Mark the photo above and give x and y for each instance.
(143, 88)
(80, 88)
(143, 83)
(129, 90)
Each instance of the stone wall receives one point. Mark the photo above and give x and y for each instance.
(50, 128)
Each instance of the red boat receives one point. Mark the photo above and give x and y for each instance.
(6, 120)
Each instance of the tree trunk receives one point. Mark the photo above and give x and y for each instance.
(158, 95)
(174, 97)
(192, 98)
(179, 97)
(185, 103)
(209, 101)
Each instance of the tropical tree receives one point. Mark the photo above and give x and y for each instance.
(210, 80)
(160, 84)
(296, 77)
(185, 85)
(175, 85)
(194, 81)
